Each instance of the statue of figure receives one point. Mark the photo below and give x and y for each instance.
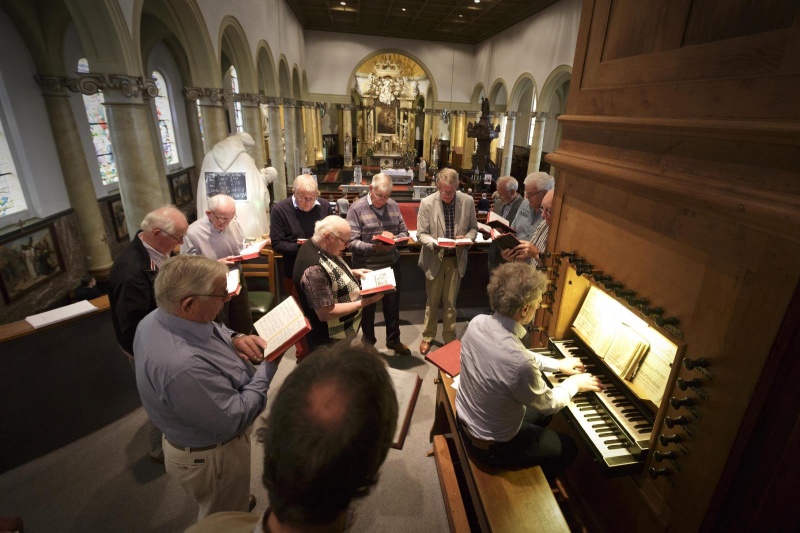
(370, 129)
(485, 106)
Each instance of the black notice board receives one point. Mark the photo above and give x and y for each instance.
(234, 184)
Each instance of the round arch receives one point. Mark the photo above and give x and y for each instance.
(265, 69)
(498, 95)
(428, 101)
(296, 92)
(42, 33)
(233, 44)
(304, 85)
(104, 36)
(556, 78)
(477, 93)
(523, 94)
(284, 78)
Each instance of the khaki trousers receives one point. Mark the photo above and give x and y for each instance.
(218, 479)
(443, 288)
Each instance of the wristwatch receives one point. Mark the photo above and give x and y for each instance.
(237, 336)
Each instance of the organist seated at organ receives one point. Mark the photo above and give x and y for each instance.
(503, 403)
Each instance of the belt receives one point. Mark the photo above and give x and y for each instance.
(478, 443)
(201, 448)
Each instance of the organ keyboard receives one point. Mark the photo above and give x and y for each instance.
(615, 424)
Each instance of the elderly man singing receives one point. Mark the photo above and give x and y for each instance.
(198, 387)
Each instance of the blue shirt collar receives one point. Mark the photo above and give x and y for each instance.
(201, 330)
(294, 202)
(510, 324)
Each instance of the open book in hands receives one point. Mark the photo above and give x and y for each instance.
(282, 327)
(234, 282)
(251, 251)
(451, 243)
(496, 221)
(378, 281)
(389, 240)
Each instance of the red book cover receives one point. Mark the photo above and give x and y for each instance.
(251, 251)
(448, 358)
(388, 240)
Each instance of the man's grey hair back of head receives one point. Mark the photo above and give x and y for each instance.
(543, 181)
(162, 218)
(514, 285)
(382, 182)
(510, 182)
(328, 225)
(184, 275)
(449, 177)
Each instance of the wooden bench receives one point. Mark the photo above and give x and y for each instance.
(502, 500)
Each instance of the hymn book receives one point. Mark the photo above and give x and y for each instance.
(60, 313)
(447, 358)
(406, 387)
(390, 240)
(505, 241)
(234, 283)
(282, 327)
(496, 221)
(452, 243)
(251, 251)
(378, 281)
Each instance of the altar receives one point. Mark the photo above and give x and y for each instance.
(399, 176)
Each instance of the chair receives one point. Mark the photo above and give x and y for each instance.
(259, 275)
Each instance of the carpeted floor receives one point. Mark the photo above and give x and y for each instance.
(104, 481)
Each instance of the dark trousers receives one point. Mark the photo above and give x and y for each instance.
(391, 314)
(236, 313)
(532, 445)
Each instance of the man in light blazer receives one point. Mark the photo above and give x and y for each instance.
(450, 214)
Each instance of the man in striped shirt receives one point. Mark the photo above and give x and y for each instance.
(531, 249)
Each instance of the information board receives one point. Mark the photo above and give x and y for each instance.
(234, 184)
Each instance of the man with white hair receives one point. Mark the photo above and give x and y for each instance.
(130, 285)
(529, 216)
(198, 386)
(329, 291)
(529, 250)
(218, 236)
(229, 158)
(507, 207)
(378, 215)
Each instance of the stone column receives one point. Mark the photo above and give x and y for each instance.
(300, 136)
(290, 138)
(276, 151)
(251, 116)
(426, 137)
(130, 136)
(310, 133)
(496, 141)
(212, 111)
(82, 197)
(508, 150)
(190, 96)
(347, 129)
(435, 119)
(535, 158)
(158, 149)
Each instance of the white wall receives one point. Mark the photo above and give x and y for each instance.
(28, 127)
(161, 60)
(270, 20)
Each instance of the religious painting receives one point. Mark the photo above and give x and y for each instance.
(28, 260)
(387, 119)
(181, 189)
(118, 219)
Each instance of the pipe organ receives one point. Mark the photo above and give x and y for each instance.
(678, 196)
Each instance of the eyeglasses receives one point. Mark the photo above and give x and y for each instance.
(223, 219)
(531, 194)
(546, 211)
(220, 296)
(344, 241)
(382, 196)
(168, 234)
(306, 198)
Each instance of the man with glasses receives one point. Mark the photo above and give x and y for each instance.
(130, 284)
(529, 250)
(450, 214)
(377, 214)
(218, 236)
(198, 386)
(329, 292)
(507, 207)
(529, 215)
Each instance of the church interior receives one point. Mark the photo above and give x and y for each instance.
(672, 130)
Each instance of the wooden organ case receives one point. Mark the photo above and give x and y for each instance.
(678, 176)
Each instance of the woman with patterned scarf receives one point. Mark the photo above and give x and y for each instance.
(329, 291)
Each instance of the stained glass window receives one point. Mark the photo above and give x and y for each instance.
(164, 113)
(237, 106)
(12, 199)
(98, 127)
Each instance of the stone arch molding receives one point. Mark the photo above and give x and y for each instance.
(284, 78)
(104, 36)
(412, 57)
(520, 86)
(498, 89)
(559, 75)
(233, 43)
(265, 69)
(477, 92)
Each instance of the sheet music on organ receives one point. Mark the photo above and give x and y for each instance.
(636, 352)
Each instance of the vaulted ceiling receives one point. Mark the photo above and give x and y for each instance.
(455, 21)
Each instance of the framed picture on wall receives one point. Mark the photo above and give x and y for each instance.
(28, 260)
(387, 119)
(118, 219)
(181, 188)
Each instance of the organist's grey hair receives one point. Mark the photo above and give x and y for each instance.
(184, 275)
(513, 286)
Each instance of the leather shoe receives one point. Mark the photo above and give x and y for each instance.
(424, 347)
(399, 348)
(251, 503)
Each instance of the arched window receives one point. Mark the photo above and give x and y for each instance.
(237, 106)
(12, 199)
(98, 127)
(501, 139)
(164, 113)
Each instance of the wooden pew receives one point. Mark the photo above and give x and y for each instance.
(515, 501)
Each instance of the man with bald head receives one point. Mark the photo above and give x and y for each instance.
(219, 236)
(131, 281)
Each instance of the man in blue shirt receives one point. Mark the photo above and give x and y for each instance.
(197, 384)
